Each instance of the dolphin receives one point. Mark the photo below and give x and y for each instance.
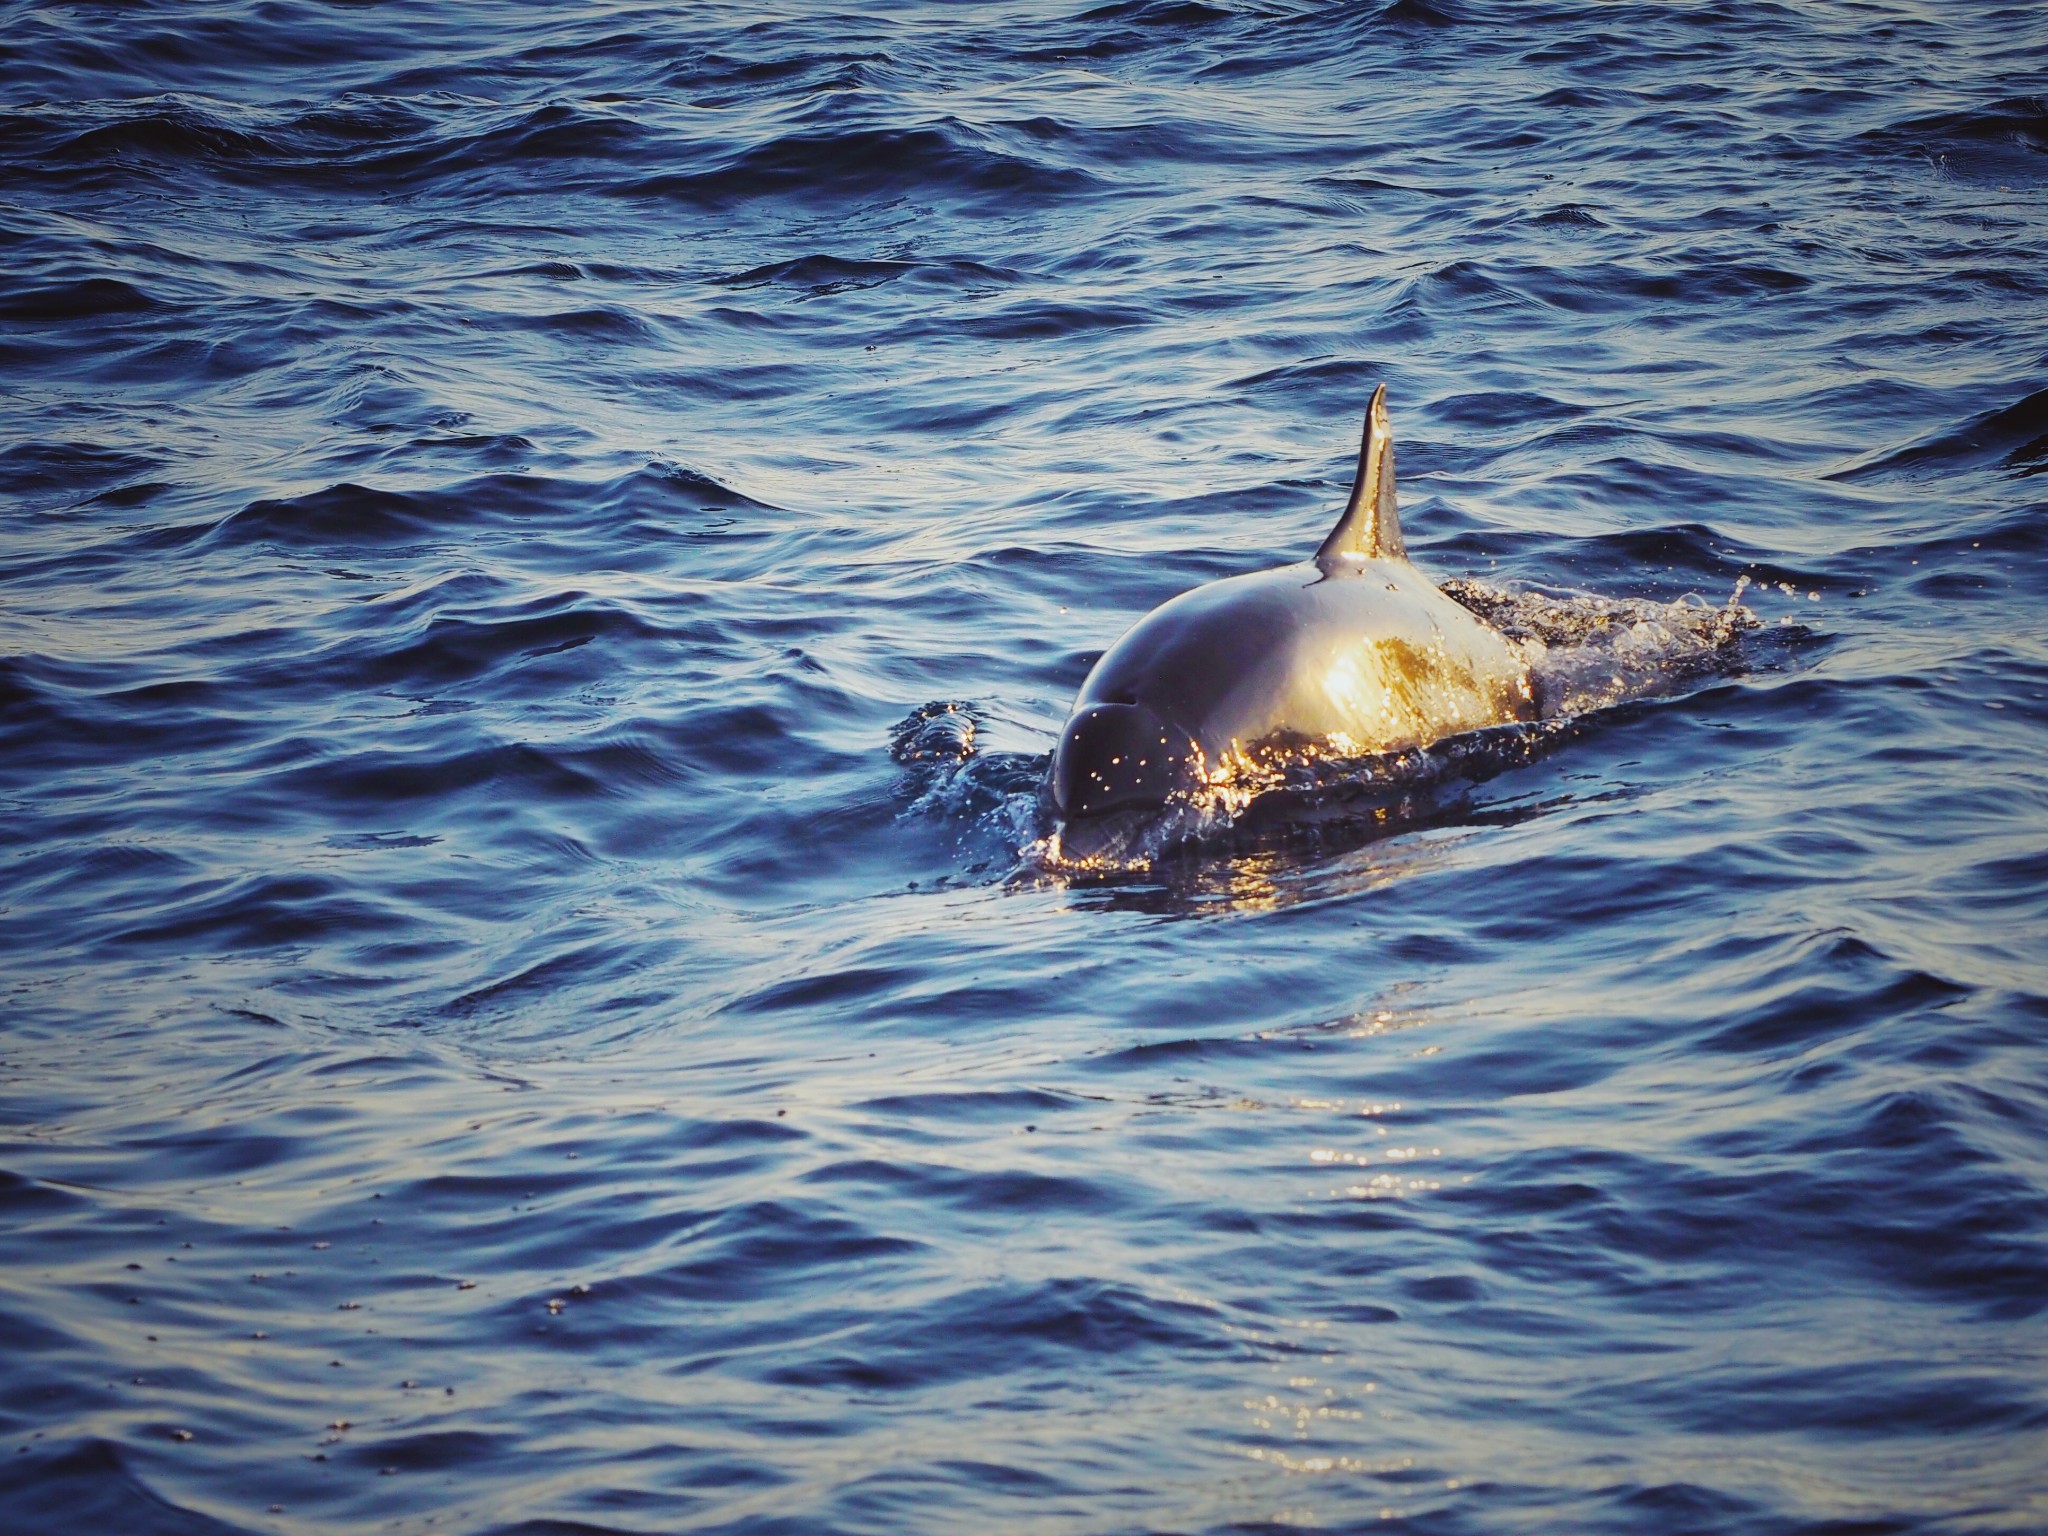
(1350, 653)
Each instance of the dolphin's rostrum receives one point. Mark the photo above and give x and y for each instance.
(1349, 653)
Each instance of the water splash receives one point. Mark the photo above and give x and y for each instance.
(1587, 653)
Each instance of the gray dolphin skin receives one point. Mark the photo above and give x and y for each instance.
(1351, 652)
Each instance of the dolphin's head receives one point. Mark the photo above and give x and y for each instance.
(1117, 762)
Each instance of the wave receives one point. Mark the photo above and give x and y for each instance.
(87, 299)
(77, 467)
(392, 145)
(944, 161)
(821, 275)
(2011, 437)
(348, 515)
(1999, 141)
(94, 1483)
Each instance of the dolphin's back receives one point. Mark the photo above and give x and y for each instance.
(1350, 653)
(1374, 659)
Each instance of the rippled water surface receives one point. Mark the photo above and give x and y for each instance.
(507, 1030)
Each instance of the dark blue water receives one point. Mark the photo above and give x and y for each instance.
(495, 1039)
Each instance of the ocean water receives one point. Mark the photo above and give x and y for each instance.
(542, 552)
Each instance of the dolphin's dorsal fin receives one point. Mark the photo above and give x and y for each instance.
(1370, 525)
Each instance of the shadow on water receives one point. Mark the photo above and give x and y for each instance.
(1311, 851)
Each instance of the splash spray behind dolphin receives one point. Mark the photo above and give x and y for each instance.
(1350, 653)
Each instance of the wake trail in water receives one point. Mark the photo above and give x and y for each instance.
(1588, 653)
